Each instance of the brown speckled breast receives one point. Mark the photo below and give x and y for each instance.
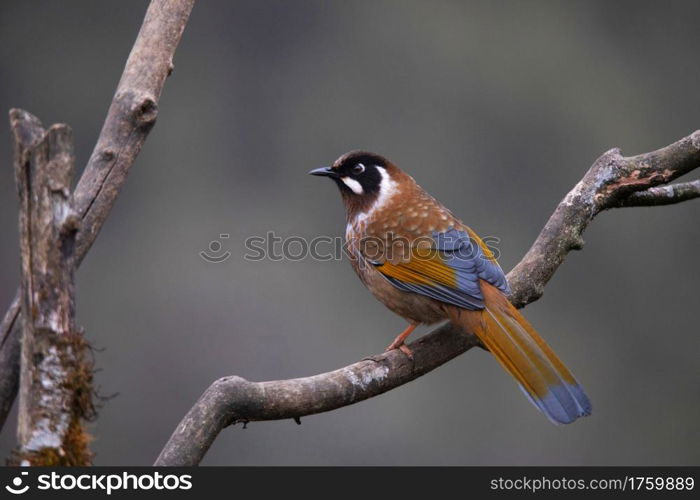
(409, 218)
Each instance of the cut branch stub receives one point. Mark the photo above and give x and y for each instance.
(50, 420)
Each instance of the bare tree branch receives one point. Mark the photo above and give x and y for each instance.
(608, 183)
(131, 115)
(612, 181)
(130, 118)
(50, 429)
(662, 195)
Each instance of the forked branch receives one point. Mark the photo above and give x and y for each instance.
(130, 118)
(612, 181)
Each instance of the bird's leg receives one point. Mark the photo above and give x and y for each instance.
(398, 341)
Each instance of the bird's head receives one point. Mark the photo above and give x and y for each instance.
(363, 178)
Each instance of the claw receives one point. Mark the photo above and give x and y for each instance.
(407, 351)
(398, 342)
(401, 347)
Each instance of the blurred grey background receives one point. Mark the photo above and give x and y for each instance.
(496, 108)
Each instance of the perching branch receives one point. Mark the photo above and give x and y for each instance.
(612, 181)
(50, 421)
(130, 118)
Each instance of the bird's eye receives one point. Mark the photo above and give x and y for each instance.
(358, 169)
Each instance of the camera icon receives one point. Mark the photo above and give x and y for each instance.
(16, 488)
(215, 255)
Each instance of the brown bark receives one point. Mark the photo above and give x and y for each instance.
(50, 422)
(612, 181)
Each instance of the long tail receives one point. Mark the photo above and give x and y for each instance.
(544, 379)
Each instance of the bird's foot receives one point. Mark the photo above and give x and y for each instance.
(401, 347)
(398, 342)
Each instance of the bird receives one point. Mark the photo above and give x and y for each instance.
(427, 266)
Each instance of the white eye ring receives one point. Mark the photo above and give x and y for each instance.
(358, 169)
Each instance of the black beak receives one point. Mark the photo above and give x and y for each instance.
(324, 172)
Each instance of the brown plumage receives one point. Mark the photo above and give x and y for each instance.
(427, 266)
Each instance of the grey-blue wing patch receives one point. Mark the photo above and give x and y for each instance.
(462, 251)
(465, 257)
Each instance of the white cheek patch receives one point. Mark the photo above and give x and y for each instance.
(355, 186)
(388, 188)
